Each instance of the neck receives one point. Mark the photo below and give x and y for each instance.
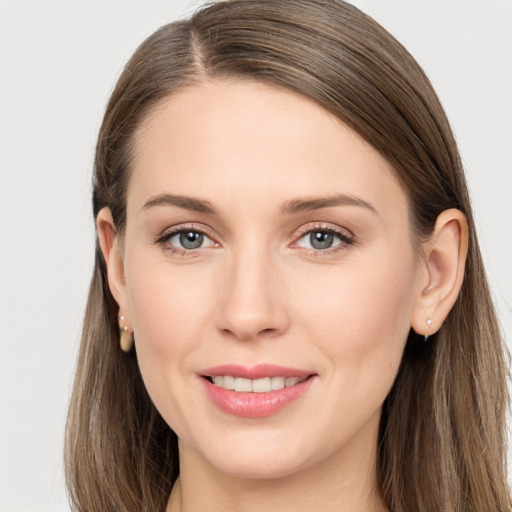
(346, 481)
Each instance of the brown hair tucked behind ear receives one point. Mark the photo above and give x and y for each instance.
(442, 430)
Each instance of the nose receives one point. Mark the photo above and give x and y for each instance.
(253, 301)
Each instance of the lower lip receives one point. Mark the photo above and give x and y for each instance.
(255, 405)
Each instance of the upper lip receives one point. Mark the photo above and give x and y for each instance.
(259, 371)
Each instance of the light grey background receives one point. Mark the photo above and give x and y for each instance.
(58, 62)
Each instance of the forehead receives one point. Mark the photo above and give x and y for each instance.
(239, 138)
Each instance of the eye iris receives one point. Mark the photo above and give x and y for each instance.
(191, 239)
(321, 240)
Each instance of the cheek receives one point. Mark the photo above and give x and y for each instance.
(361, 318)
(170, 307)
(170, 310)
(168, 303)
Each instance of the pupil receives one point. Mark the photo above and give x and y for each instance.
(321, 240)
(191, 240)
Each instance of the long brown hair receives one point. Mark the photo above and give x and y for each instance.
(441, 444)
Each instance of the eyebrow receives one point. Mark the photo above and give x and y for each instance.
(316, 203)
(186, 202)
(289, 207)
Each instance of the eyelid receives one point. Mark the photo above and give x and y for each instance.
(344, 233)
(347, 237)
(169, 232)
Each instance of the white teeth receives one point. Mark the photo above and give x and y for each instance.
(228, 382)
(243, 384)
(261, 385)
(257, 385)
(291, 381)
(278, 383)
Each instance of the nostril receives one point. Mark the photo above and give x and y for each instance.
(250, 334)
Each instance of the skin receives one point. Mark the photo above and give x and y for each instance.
(256, 292)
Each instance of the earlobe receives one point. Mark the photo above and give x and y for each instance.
(111, 254)
(444, 259)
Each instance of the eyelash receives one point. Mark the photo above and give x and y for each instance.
(165, 238)
(345, 237)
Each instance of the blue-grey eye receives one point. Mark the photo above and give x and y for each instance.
(190, 240)
(320, 240)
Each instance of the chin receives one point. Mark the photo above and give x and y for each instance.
(259, 469)
(259, 460)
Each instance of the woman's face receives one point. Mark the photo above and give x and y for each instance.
(265, 241)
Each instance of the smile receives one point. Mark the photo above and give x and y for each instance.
(255, 392)
(263, 385)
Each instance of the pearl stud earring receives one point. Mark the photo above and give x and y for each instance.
(429, 324)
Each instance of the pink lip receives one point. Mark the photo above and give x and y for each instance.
(255, 405)
(255, 372)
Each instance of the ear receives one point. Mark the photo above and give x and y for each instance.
(444, 259)
(113, 259)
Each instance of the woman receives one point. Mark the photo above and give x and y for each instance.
(289, 308)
